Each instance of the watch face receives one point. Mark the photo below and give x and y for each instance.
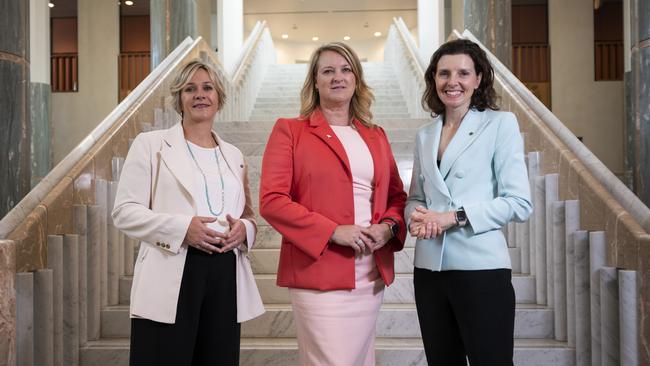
(461, 216)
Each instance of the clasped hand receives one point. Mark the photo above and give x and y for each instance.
(201, 237)
(362, 239)
(427, 224)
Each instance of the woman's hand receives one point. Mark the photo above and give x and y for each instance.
(352, 236)
(427, 224)
(235, 237)
(380, 234)
(201, 237)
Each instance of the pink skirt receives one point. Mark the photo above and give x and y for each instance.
(337, 328)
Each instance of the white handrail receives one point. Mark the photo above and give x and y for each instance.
(19, 212)
(626, 198)
(401, 54)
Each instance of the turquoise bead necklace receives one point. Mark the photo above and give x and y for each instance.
(205, 180)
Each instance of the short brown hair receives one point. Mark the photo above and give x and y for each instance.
(362, 97)
(484, 96)
(183, 77)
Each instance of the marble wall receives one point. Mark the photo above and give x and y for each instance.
(491, 23)
(171, 22)
(40, 127)
(14, 101)
(7, 303)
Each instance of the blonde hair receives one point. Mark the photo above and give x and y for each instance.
(362, 97)
(183, 78)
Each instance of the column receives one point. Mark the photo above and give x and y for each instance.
(491, 22)
(171, 22)
(39, 88)
(230, 32)
(7, 298)
(15, 172)
(431, 27)
(640, 98)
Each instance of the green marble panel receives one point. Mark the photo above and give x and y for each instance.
(40, 94)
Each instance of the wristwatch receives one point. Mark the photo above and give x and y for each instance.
(394, 228)
(461, 217)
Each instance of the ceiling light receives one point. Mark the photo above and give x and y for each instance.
(377, 34)
(314, 38)
(128, 2)
(285, 36)
(346, 38)
(50, 4)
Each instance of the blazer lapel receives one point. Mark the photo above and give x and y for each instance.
(177, 159)
(429, 158)
(467, 133)
(322, 129)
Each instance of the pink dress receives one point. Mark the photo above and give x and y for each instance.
(337, 328)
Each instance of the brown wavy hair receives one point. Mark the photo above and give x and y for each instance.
(183, 77)
(362, 98)
(484, 96)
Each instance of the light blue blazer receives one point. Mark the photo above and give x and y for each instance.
(483, 171)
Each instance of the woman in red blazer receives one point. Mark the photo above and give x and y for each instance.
(331, 187)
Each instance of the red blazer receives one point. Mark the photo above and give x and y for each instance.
(306, 191)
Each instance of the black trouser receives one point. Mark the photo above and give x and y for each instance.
(466, 315)
(206, 331)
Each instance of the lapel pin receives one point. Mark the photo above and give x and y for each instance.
(471, 133)
(329, 136)
(241, 166)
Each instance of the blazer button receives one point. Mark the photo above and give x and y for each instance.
(158, 243)
(167, 246)
(460, 174)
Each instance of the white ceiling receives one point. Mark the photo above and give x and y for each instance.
(328, 20)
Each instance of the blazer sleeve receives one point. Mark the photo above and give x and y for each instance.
(396, 200)
(248, 216)
(132, 212)
(513, 187)
(307, 230)
(416, 197)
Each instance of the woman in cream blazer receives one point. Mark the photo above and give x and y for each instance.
(469, 180)
(193, 282)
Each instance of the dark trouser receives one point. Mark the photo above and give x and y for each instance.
(206, 331)
(466, 314)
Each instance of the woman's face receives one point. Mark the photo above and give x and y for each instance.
(335, 80)
(456, 80)
(199, 98)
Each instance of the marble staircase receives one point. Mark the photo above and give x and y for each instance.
(270, 338)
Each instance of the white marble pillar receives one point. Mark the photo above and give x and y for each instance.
(597, 257)
(511, 238)
(71, 300)
(533, 171)
(129, 255)
(431, 27)
(609, 330)
(572, 221)
(628, 298)
(116, 168)
(583, 298)
(55, 262)
(25, 319)
(80, 228)
(551, 195)
(101, 200)
(559, 270)
(43, 318)
(114, 257)
(540, 241)
(523, 242)
(93, 306)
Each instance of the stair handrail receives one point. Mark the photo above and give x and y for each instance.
(401, 53)
(612, 184)
(242, 86)
(129, 104)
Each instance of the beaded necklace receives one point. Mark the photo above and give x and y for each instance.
(205, 180)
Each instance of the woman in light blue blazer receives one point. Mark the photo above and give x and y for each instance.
(469, 179)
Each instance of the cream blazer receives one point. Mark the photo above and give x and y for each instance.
(155, 204)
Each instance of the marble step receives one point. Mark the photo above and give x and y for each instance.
(284, 352)
(394, 320)
(235, 137)
(292, 83)
(265, 257)
(294, 94)
(267, 124)
(295, 105)
(379, 117)
(291, 112)
(400, 292)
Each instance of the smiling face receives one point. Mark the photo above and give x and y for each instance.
(335, 80)
(456, 80)
(199, 98)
